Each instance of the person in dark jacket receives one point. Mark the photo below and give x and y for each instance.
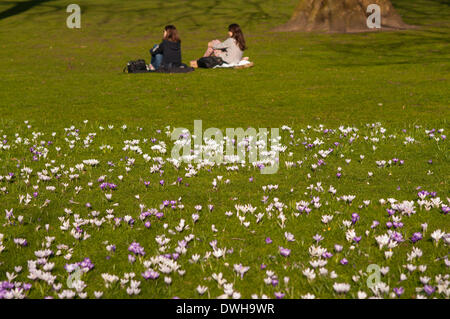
(168, 53)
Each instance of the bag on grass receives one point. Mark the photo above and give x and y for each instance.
(209, 62)
(137, 66)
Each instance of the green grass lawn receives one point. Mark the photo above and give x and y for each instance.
(53, 78)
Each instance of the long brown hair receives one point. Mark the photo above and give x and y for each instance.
(172, 34)
(238, 35)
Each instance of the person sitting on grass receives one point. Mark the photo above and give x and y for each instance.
(168, 53)
(231, 50)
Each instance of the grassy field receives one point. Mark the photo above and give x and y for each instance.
(369, 97)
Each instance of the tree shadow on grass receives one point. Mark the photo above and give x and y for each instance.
(390, 49)
(427, 44)
(193, 14)
(423, 12)
(445, 2)
(20, 7)
(253, 13)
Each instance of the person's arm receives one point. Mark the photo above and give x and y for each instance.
(224, 45)
(158, 49)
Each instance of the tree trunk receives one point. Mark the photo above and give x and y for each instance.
(341, 16)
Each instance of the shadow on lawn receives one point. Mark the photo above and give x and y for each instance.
(20, 7)
(423, 45)
(195, 14)
(391, 49)
(245, 17)
(423, 12)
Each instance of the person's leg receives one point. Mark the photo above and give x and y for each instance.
(217, 53)
(156, 59)
(210, 50)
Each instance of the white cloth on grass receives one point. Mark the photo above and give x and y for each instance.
(226, 65)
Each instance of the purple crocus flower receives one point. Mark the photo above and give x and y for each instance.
(327, 255)
(399, 291)
(274, 282)
(422, 194)
(150, 274)
(343, 261)
(416, 237)
(397, 237)
(429, 290)
(317, 237)
(136, 248)
(398, 224)
(279, 295)
(26, 286)
(86, 264)
(268, 240)
(285, 252)
(355, 218)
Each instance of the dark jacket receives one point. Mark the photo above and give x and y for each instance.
(171, 52)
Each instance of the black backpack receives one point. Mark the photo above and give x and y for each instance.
(209, 62)
(138, 66)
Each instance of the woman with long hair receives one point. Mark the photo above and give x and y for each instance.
(168, 53)
(231, 50)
